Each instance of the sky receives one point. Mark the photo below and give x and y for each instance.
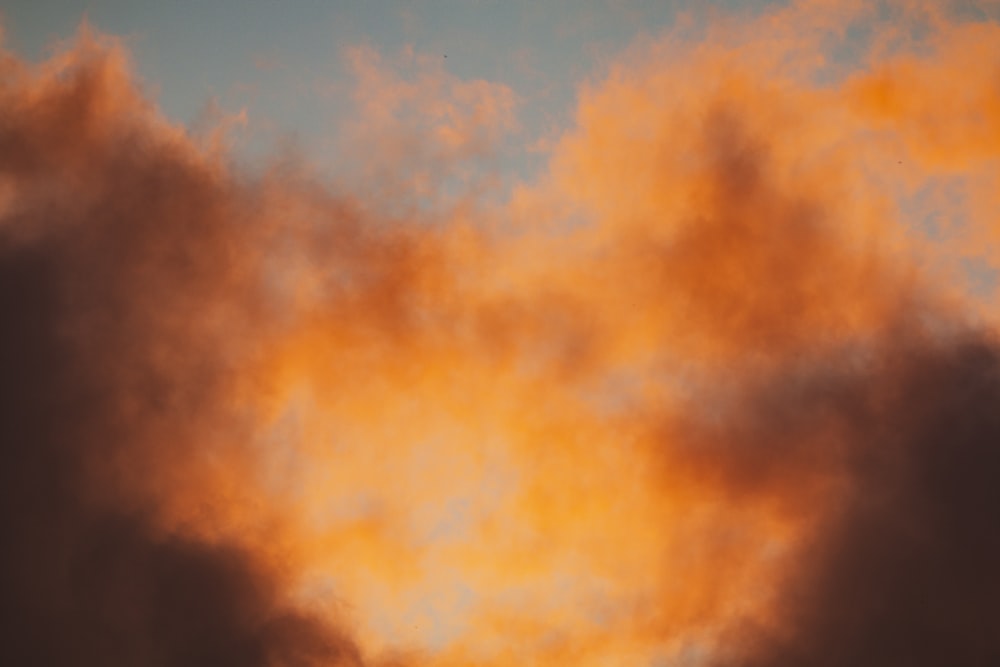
(286, 64)
(488, 333)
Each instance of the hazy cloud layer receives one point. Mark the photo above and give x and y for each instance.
(718, 389)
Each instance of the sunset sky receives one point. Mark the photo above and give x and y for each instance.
(489, 333)
(286, 64)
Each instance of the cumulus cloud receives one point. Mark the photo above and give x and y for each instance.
(705, 393)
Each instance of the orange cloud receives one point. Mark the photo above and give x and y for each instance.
(693, 397)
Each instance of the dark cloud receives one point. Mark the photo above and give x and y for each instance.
(893, 464)
(124, 263)
(906, 572)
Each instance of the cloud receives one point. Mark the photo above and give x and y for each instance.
(705, 392)
(124, 268)
(418, 125)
